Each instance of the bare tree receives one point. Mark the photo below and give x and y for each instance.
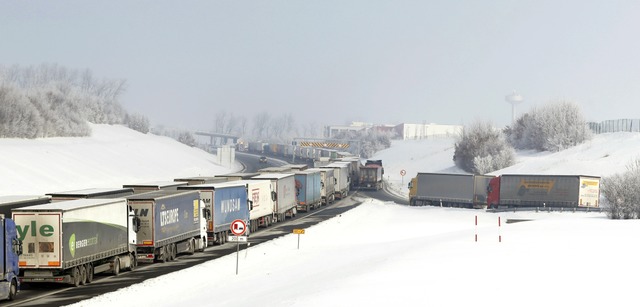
(261, 124)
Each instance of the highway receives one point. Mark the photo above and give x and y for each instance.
(57, 295)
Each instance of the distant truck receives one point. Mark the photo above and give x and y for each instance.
(284, 185)
(308, 190)
(449, 190)
(343, 180)
(170, 223)
(9, 202)
(370, 177)
(327, 184)
(10, 250)
(70, 241)
(155, 186)
(91, 193)
(200, 180)
(567, 191)
(223, 203)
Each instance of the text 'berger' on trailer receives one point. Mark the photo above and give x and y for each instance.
(70, 241)
(524, 190)
(170, 223)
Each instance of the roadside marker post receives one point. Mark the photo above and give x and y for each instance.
(238, 228)
(298, 232)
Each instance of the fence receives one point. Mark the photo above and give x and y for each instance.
(615, 125)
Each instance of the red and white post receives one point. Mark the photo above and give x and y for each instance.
(499, 235)
(476, 229)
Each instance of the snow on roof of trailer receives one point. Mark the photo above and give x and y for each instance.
(320, 169)
(214, 185)
(241, 175)
(272, 176)
(72, 204)
(159, 184)
(336, 164)
(307, 171)
(157, 194)
(14, 199)
(274, 169)
(92, 192)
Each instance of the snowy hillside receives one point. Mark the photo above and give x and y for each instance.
(112, 156)
(379, 254)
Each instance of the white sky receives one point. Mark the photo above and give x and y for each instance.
(379, 254)
(447, 62)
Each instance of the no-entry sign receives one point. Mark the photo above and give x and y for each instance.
(238, 227)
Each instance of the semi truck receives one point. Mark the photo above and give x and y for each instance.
(10, 250)
(327, 185)
(70, 241)
(343, 181)
(155, 186)
(284, 185)
(91, 193)
(308, 188)
(9, 202)
(200, 179)
(223, 203)
(170, 223)
(449, 190)
(567, 191)
(370, 177)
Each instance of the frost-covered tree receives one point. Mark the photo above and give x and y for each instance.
(553, 127)
(187, 139)
(55, 101)
(620, 192)
(137, 122)
(481, 149)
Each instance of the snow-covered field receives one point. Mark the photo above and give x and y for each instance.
(378, 254)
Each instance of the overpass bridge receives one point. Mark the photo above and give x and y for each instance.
(219, 138)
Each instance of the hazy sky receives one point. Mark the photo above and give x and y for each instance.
(446, 62)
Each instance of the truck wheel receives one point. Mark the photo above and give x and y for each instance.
(174, 252)
(75, 273)
(132, 262)
(204, 245)
(116, 267)
(89, 273)
(163, 257)
(13, 290)
(83, 275)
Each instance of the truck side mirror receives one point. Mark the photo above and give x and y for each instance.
(274, 196)
(250, 202)
(136, 224)
(17, 246)
(206, 213)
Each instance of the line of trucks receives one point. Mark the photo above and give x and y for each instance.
(69, 237)
(504, 191)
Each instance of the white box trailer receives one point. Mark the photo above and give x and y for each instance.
(262, 204)
(343, 182)
(284, 185)
(328, 185)
(70, 241)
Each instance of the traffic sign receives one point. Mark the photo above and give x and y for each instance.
(237, 238)
(238, 227)
(298, 231)
(403, 172)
